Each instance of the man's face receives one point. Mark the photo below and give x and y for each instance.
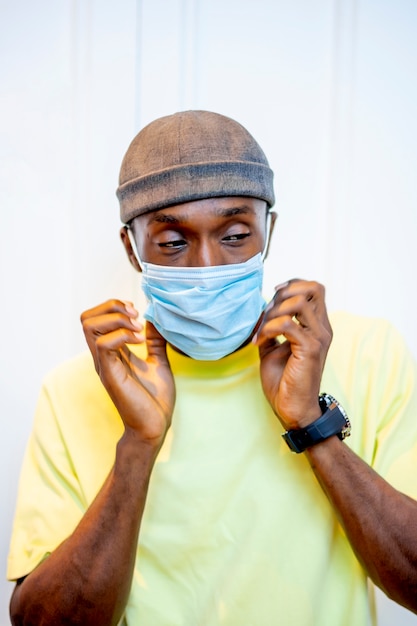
(214, 231)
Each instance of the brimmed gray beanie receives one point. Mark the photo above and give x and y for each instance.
(191, 155)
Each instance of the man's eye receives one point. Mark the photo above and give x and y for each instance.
(236, 237)
(172, 244)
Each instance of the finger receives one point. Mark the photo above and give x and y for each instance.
(114, 346)
(278, 344)
(309, 290)
(103, 324)
(302, 299)
(111, 348)
(278, 330)
(110, 306)
(101, 331)
(291, 319)
(298, 309)
(156, 343)
(108, 317)
(310, 310)
(117, 340)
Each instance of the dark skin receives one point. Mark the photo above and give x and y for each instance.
(87, 578)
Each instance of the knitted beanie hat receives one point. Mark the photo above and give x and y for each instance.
(191, 155)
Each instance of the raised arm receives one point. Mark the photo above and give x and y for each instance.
(87, 579)
(380, 522)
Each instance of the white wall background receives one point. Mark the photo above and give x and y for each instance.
(328, 87)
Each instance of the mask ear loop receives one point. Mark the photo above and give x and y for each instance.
(134, 246)
(267, 235)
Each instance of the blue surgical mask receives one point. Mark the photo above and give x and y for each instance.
(206, 312)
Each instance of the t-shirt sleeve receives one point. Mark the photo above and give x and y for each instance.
(50, 501)
(372, 372)
(395, 451)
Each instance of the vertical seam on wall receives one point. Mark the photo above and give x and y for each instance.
(341, 151)
(138, 64)
(81, 108)
(81, 35)
(189, 53)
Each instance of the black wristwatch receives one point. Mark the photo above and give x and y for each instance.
(334, 421)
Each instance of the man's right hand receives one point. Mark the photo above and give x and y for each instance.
(142, 390)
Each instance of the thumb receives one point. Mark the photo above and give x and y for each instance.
(155, 343)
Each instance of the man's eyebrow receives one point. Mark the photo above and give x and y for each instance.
(237, 210)
(165, 218)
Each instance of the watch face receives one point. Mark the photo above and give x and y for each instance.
(326, 401)
(330, 402)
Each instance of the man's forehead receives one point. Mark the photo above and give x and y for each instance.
(184, 215)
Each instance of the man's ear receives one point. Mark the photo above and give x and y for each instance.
(273, 218)
(131, 255)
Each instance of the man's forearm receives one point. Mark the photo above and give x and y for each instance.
(87, 579)
(380, 522)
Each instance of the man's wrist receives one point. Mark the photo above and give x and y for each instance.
(132, 449)
(333, 421)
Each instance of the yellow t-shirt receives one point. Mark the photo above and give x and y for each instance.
(236, 529)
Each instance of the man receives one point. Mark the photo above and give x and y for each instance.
(161, 491)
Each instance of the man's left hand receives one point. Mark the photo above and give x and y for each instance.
(293, 338)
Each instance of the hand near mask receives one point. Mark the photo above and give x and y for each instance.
(293, 339)
(143, 391)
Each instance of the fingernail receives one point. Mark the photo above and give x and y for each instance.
(137, 324)
(130, 309)
(281, 286)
